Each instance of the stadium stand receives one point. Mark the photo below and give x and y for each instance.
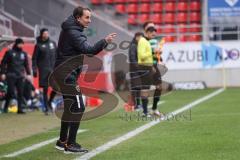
(5, 25)
(184, 16)
(13, 26)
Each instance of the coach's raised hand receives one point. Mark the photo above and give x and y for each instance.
(110, 37)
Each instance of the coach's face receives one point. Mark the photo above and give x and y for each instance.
(85, 19)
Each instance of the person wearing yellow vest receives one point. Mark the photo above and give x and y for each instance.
(145, 62)
(145, 56)
(156, 46)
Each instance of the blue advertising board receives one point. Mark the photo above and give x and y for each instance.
(223, 8)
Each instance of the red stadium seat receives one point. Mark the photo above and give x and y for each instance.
(158, 0)
(195, 27)
(169, 18)
(120, 1)
(183, 38)
(143, 18)
(182, 17)
(156, 18)
(170, 38)
(132, 8)
(169, 7)
(96, 2)
(195, 38)
(120, 8)
(157, 7)
(169, 29)
(182, 28)
(144, 8)
(195, 6)
(148, 1)
(109, 1)
(132, 19)
(195, 17)
(132, 1)
(182, 6)
(159, 30)
(174, 1)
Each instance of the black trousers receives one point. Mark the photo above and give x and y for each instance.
(158, 91)
(14, 84)
(135, 82)
(46, 101)
(73, 111)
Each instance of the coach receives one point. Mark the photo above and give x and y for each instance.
(73, 42)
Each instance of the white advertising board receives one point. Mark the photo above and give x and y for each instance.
(200, 55)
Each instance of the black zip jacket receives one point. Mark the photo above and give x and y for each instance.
(132, 53)
(73, 42)
(43, 60)
(15, 63)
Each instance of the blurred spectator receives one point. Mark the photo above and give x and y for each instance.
(3, 90)
(156, 55)
(3, 87)
(43, 60)
(133, 59)
(146, 63)
(14, 65)
(28, 93)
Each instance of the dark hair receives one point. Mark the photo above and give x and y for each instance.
(43, 30)
(151, 29)
(19, 41)
(78, 11)
(146, 23)
(136, 35)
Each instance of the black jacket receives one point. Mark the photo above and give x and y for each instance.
(73, 42)
(132, 52)
(43, 60)
(133, 59)
(15, 63)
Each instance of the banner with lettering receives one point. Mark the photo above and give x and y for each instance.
(198, 55)
(223, 8)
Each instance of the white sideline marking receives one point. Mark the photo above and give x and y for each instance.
(167, 94)
(137, 131)
(159, 103)
(36, 146)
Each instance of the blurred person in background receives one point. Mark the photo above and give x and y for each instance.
(145, 62)
(28, 93)
(148, 24)
(156, 59)
(133, 68)
(3, 90)
(15, 64)
(43, 61)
